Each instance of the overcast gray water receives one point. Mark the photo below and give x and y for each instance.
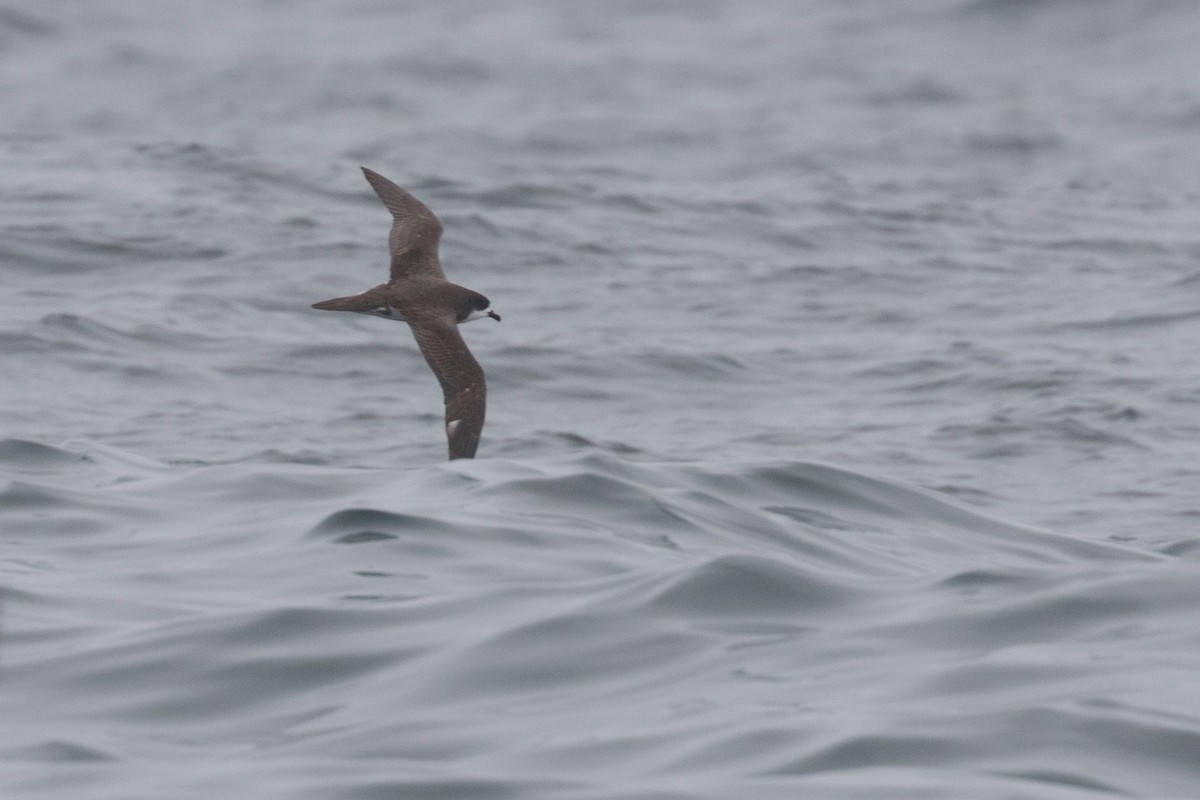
(843, 435)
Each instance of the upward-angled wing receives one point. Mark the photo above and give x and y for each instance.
(415, 231)
(462, 381)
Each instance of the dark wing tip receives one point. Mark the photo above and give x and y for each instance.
(464, 441)
(465, 410)
(379, 183)
(403, 205)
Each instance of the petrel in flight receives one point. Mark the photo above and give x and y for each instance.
(418, 293)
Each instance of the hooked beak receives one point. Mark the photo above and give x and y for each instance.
(494, 315)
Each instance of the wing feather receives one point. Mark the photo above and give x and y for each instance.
(463, 385)
(415, 234)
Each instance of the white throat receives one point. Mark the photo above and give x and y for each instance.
(478, 314)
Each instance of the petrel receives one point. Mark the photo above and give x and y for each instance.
(418, 293)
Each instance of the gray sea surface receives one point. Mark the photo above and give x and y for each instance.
(843, 435)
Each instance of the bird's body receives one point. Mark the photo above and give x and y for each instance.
(419, 294)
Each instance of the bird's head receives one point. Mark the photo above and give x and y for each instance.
(476, 306)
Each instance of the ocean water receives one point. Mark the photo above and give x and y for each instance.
(843, 434)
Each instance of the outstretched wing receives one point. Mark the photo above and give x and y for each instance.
(415, 234)
(462, 381)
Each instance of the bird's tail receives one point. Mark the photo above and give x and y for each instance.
(358, 302)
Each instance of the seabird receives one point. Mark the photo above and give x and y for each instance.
(418, 293)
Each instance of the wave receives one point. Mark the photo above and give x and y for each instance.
(763, 624)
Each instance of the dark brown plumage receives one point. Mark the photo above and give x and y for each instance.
(419, 294)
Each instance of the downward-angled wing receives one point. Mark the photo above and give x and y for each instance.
(415, 234)
(462, 381)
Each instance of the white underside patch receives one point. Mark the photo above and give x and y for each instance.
(478, 314)
(386, 312)
(452, 426)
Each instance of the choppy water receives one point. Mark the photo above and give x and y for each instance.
(844, 425)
